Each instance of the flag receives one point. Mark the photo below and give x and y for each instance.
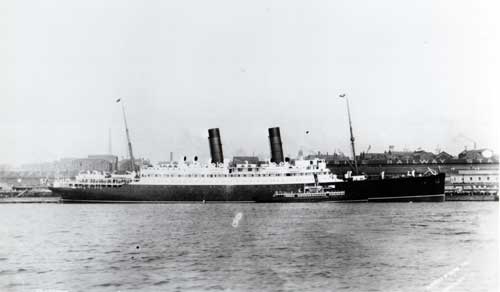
(342, 95)
(118, 100)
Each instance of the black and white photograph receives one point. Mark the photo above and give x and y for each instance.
(230, 145)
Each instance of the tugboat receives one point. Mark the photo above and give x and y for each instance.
(311, 193)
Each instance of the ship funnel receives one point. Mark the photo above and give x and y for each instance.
(276, 147)
(215, 146)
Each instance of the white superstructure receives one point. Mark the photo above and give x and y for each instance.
(194, 173)
(300, 172)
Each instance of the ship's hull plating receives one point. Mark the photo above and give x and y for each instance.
(415, 189)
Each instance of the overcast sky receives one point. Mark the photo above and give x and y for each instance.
(418, 73)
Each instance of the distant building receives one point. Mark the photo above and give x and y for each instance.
(443, 156)
(72, 166)
(421, 155)
(373, 156)
(335, 157)
(91, 164)
(110, 158)
(5, 167)
(124, 164)
(479, 155)
(400, 155)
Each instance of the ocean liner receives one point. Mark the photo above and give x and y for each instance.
(222, 181)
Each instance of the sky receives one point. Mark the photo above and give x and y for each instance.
(417, 73)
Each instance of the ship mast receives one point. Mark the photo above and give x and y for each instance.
(110, 149)
(131, 154)
(352, 135)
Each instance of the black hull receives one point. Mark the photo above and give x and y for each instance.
(409, 189)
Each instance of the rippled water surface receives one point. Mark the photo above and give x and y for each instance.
(450, 246)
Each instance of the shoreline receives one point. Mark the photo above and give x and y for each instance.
(30, 200)
(57, 200)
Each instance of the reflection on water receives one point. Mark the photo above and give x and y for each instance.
(449, 246)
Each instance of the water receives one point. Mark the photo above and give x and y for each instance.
(450, 246)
